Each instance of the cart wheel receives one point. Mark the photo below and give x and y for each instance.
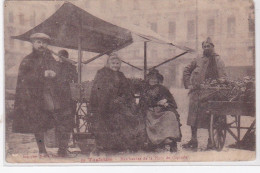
(218, 131)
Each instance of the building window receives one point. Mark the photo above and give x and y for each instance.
(136, 22)
(171, 3)
(22, 44)
(32, 20)
(251, 26)
(231, 26)
(136, 4)
(103, 5)
(57, 6)
(211, 27)
(251, 51)
(191, 29)
(121, 19)
(11, 17)
(171, 53)
(154, 26)
(136, 53)
(154, 54)
(154, 4)
(11, 31)
(172, 30)
(12, 45)
(119, 4)
(87, 4)
(42, 17)
(21, 19)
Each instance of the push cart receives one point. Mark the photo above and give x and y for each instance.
(219, 111)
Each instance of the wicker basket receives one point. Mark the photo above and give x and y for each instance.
(214, 94)
(81, 91)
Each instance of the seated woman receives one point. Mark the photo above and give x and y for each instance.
(162, 119)
(113, 106)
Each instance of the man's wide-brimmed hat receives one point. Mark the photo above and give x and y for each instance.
(155, 73)
(40, 36)
(209, 41)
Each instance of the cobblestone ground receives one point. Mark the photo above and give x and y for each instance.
(22, 147)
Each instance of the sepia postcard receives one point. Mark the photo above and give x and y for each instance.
(129, 81)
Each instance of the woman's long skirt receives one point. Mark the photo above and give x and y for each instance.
(161, 125)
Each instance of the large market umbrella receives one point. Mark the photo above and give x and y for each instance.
(74, 28)
(70, 22)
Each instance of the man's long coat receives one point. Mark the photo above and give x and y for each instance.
(30, 115)
(194, 75)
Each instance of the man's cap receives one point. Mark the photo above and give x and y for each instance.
(40, 36)
(209, 41)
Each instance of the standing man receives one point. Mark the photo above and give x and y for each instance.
(36, 98)
(65, 115)
(208, 66)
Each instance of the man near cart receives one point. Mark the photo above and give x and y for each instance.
(209, 66)
(38, 106)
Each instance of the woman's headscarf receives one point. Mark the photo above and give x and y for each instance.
(111, 57)
(156, 73)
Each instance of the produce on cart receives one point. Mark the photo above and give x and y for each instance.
(226, 97)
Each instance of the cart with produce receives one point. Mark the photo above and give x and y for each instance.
(226, 102)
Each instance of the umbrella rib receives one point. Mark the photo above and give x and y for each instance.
(107, 52)
(177, 56)
(132, 65)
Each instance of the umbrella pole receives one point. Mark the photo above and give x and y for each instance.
(79, 51)
(145, 60)
(79, 60)
(79, 103)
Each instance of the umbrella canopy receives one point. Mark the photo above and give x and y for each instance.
(98, 34)
(70, 22)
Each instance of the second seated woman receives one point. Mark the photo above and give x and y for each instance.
(113, 105)
(162, 118)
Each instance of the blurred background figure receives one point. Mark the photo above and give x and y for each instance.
(65, 116)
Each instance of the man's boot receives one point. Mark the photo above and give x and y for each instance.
(192, 144)
(173, 146)
(62, 152)
(63, 140)
(210, 145)
(39, 137)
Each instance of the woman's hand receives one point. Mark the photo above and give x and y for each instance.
(163, 102)
(49, 74)
(190, 87)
